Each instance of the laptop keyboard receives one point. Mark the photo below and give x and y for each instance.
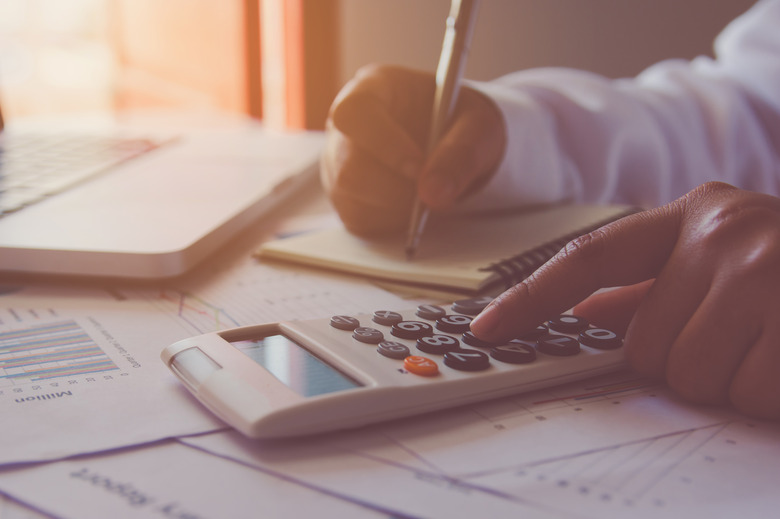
(34, 166)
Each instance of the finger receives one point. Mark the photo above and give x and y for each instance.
(755, 388)
(386, 123)
(624, 252)
(468, 152)
(712, 341)
(672, 300)
(693, 321)
(369, 200)
(615, 308)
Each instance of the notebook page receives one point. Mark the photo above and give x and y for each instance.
(452, 251)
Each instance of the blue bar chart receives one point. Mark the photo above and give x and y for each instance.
(49, 351)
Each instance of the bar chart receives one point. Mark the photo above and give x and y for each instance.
(48, 351)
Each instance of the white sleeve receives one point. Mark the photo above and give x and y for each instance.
(574, 135)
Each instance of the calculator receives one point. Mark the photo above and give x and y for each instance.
(305, 377)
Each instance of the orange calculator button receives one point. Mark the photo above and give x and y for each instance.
(421, 366)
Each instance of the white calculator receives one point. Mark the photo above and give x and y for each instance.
(305, 377)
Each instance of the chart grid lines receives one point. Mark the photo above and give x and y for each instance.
(48, 351)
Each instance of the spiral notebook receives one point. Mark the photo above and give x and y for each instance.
(482, 254)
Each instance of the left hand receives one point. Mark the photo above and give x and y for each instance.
(700, 303)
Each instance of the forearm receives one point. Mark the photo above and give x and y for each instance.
(647, 140)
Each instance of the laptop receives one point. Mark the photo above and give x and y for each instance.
(161, 195)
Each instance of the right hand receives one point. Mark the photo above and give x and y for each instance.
(699, 298)
(374, 163)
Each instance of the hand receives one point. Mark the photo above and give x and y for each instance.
(703, 308)
(374, 162)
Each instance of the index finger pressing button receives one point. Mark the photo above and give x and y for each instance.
(470, 339)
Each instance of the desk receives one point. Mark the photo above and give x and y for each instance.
(136, 444)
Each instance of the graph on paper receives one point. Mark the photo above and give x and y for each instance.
(199, 314)
(49, 351)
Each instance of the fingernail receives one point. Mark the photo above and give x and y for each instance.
(487, 321)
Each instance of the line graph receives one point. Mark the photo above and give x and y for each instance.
(601, 390)
(641, 478)
(47, 351)
(199, 314)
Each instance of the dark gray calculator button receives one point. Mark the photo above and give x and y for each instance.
(411, 329)
(430, 312)
(514, 353)
(471, 306)
(387, 317)
(453, 323)
(344, 322)
(539, 331)
(601, 339)
(438, 344)
(393, 350)
(531, 343)
(472, 340)
(567, 324)
(559, 345)
(368, 335)
(467, 360)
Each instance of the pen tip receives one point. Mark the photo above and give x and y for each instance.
(410, 253)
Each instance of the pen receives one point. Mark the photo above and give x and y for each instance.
(457, 39)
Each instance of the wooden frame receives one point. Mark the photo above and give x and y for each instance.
(309, 49)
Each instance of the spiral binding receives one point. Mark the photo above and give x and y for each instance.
(515, 269)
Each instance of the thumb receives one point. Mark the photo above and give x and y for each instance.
(615, 308)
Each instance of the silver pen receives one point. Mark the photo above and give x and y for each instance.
(457, 39)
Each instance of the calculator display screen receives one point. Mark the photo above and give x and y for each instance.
(295, 366)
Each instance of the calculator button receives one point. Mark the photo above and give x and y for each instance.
(387, 317)
(454, 323)
(470, 339)
(467, 360)
(344, 322)
(559, 345)
(421, 366)
(393, 350)
(567, 324)
(471, 306)
(411, 329)
(430, 312)
(514, 353)
(438, 344)
(601, 339)
(368, 335)
(533, 335)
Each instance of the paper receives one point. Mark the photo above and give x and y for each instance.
(615, 447)
(80, 369)
(167, 481)
(10, 509)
